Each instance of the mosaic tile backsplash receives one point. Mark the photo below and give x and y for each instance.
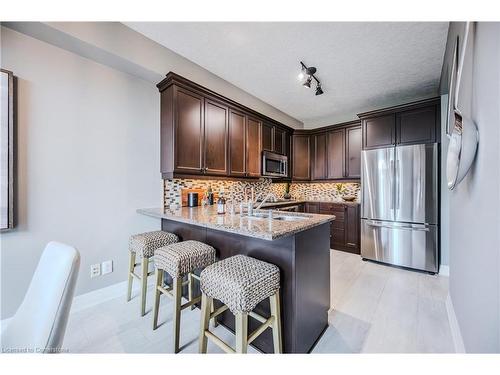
(304, 191)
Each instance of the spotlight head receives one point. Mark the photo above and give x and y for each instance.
(319, 90)
(307, 83)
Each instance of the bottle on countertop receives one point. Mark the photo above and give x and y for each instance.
(210, 196)
(221, 204)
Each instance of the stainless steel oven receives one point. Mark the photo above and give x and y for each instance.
(274, 165)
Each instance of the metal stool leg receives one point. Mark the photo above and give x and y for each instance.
(276, 327)
(144, 284)
(177, 294)
(241, 329)
(206, 303)
(158, 283)
(131, 267)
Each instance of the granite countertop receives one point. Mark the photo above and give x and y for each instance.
(300, 201)
(263, 228)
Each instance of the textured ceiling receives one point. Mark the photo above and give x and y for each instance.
(362, 66)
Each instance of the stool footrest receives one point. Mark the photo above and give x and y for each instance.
(167, 291)
(191, 303)
(258, 317)
(261, 329)
(221, 344)
(219, 311)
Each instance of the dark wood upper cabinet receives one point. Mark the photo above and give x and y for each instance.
(267, 137)
(319, 160)
(335, 154)
(353, 152)
(416, 126)
(204, 133)
(189, 124)
(215, 135)
(301, 157)
(280, 141)
(253, 147)
(237, 143)
(379, 131)
(412, 123)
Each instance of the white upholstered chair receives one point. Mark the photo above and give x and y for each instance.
(40, 322)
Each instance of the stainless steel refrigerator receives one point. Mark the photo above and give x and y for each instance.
(399, 206)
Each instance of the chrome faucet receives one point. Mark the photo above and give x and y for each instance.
(269, 195)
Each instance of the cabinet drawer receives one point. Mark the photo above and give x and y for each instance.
(338, 236)
(338, 224)
(328, 206)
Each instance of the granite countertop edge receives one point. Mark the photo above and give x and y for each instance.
(157, 213)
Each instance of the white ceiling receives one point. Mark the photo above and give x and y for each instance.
(362, 66)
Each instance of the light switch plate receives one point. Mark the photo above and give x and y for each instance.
(95, 270)
(106, 267)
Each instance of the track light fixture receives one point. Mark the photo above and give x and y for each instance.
(319, 90)
(306, 76)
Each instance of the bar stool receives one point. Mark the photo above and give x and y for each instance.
(178, 260)
(143, 246)
(240, 283)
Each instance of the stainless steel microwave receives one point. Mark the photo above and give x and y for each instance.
(274, 165)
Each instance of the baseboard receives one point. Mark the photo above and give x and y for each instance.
(95, 297)
(455, 328)
(444, 270)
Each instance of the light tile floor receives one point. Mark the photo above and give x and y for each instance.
(376, 309)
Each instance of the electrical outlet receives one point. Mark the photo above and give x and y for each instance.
(106, 267)
(95, 270)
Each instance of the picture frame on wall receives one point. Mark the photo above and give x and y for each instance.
(6, 150)
(450, 123)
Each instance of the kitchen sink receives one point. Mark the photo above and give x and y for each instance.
(289, 218)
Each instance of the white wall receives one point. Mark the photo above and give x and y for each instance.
(122, 48)
(88, 156)
(475, 203)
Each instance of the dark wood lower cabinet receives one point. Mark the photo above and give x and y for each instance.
(345, 229)
(305, 295)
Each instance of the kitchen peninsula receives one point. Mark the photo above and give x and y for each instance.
(298, 243)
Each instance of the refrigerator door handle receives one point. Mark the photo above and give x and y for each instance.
(393, 185)
(420, 228)
(397, 177)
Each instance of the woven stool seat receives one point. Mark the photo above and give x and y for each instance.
(240, 282)
(182, 258)
(145, 244)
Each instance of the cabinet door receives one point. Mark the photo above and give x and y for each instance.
(352, 227)
(301, 157)
(335, 154)
(338, 227)
(279, 141)
(319, 157)
(215, 135)
(188, 109)
(237, 143)
(312, 208)
(379, 131)
(353, 152)
(416, 126)
(267, 137)
(253, 144)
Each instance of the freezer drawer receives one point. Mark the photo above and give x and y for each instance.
(401, 244)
